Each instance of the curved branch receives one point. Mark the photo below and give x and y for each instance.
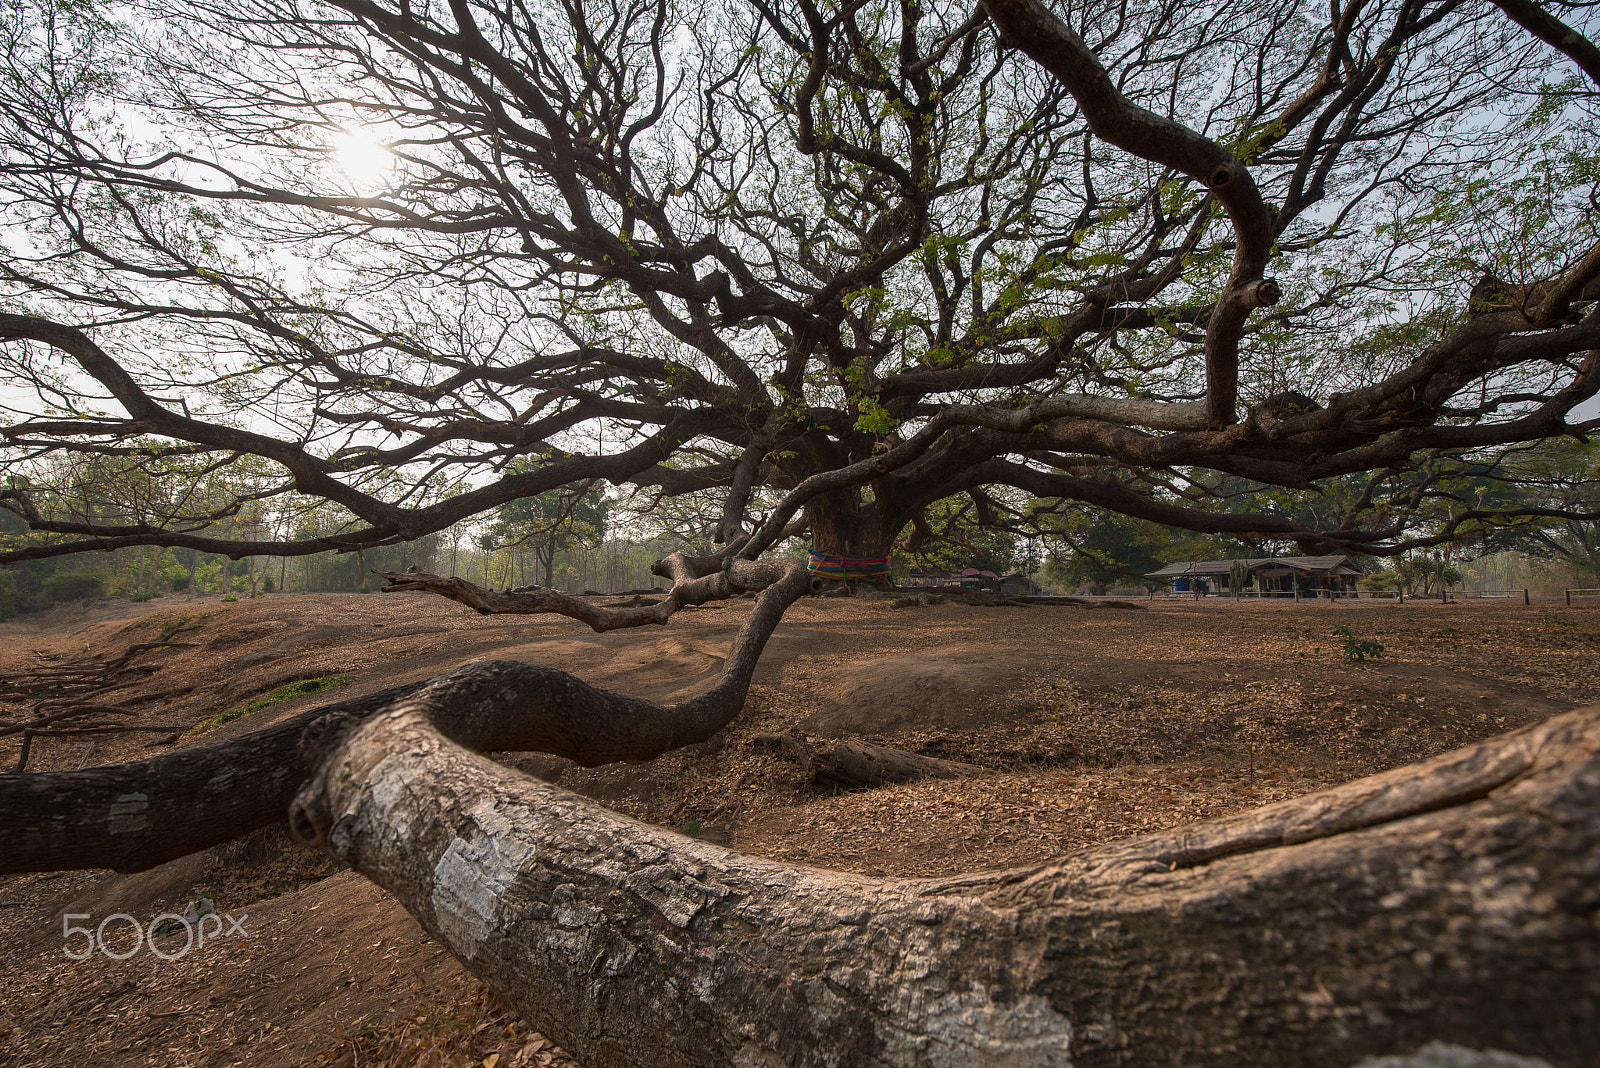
(134, 816)
(1030, 27)
(690, 586)
(1189, 947)
(1552, 31)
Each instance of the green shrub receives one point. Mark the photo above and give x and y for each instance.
(230, 597)
(10, 600)
(268, 586)
(1357, 648)
(140, 597)
(74, 586)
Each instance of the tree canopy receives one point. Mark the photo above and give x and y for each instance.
(420, 261)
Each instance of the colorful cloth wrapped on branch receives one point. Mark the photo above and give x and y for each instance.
(845, 567)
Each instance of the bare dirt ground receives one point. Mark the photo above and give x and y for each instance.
(1095, 724)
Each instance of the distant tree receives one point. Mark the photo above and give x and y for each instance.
(548, 523)
(1422, 574)
(74, 586)
(1563, 478)
(10, 601)
(1095, 548)
(1238, 577)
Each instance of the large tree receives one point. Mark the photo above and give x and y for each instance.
(426, 259)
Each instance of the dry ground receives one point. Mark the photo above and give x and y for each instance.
(1096, 724)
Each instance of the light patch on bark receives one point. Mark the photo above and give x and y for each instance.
(568, 910)
(471, 877)
(224, 779)
(130, 813)
(970, 1030)
(1505, 894)
(752, 1056)
(675, 893)
(1445, 1055)
(391, 779)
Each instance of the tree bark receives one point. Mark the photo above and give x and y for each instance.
(1454, 899)
(131, 817)
(844, 523)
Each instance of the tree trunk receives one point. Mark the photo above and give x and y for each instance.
(1454, 899)
(844, 524)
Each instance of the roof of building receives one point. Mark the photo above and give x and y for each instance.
(1317, 565)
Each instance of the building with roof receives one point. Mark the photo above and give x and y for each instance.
(933, 576)
(1270, 576)
(1015, 583)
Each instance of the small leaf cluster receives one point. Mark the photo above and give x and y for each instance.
(1358, 649)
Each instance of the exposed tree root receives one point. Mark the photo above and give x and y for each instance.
(852, 764)
(65, 692)
(1454, 899)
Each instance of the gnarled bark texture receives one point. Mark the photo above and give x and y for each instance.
(1455, 899)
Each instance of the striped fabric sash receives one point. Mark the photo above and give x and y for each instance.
(844, 567)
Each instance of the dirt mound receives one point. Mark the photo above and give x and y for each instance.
(952, 685)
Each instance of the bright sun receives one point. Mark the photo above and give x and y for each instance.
(364, 161)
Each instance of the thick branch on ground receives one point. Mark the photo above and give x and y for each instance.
(1449, 900)
(134, 816)
(854, 763)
